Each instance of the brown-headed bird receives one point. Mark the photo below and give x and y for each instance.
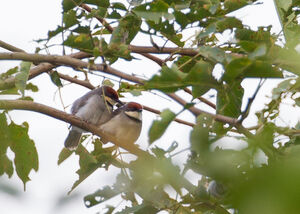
(95, 107)
(125, 125)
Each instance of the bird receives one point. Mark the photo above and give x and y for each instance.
(125, 125)
(95, 107)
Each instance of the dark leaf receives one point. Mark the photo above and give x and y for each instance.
(159, 126)
(229, 99)
(63, 155)
(55, 78)
(100, 196)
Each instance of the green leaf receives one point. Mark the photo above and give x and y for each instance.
(82, 42)
(169, 80)
(118, 5)
(153, 11)
(228, 23)
(235, 68)
(262, 69)
(127, 29)
(199, 139)
(88, 164)
(229, 99)
(70, 4)
(55, 78)
(4, 134)
(32, 87)
(63, 155)
(6, 165)
(70, 19)
(260, 36)
(22, 76)
(212, 53)
(159, 126)
(53, 33)
(231, 5)
(9, 73)
(100, 196)
(181, 19)
(10, 91)
(26, 157)
(200, 78)
(260, 50)
(133, 209)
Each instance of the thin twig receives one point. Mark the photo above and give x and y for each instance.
(245, 113)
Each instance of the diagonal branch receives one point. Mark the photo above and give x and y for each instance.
(74, 120)
(52, 112)
(69, 61)
(39, 69)
(90, 86)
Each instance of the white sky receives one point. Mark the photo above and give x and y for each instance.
(24, 21)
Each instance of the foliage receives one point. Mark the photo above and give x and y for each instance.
(250, 185)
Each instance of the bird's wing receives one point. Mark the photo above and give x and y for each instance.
(80, 102)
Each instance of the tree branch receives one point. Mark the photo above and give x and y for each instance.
(52, 112)
(10, 47)
(37, 70)
(74, 120)
(101, 20)
(72, 62)
(90, 86)
(163, 50)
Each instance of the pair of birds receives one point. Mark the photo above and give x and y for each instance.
(96, 107)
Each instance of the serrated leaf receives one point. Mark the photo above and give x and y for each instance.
(26, 157)
(55, 78)
(70, 19)
(159, 126)
(88, 164)
(63, 155)
(22, 76)
(53, 33)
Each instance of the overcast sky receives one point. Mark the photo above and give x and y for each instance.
(24, 21)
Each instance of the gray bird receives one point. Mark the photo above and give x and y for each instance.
(125, 125)
(95, 107)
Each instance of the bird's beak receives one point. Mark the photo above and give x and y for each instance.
(119, 103)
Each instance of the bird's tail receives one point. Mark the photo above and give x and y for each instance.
(72, 140)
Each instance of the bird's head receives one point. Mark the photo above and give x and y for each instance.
(110, 95)
(133, 110)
